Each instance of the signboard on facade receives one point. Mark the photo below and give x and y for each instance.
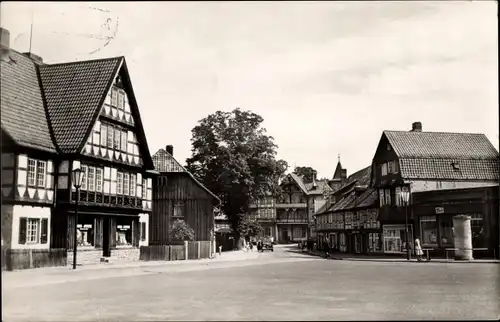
(439, 210)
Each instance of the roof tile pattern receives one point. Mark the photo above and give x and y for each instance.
(439, 145)
(23, 112)
(473, 169)
(73, 93)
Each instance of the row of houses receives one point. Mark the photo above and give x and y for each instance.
(84, 115)
(443, 175)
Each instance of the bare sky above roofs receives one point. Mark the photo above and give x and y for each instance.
(328, 77)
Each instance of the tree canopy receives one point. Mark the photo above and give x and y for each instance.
(180, 231)
(249, 228)
(307, 173)
(234, 158)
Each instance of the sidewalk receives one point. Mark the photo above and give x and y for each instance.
(390, 259)
(62, 274)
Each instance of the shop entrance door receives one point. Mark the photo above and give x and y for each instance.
(106, 245)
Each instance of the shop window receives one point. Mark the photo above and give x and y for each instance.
(374, 244)
(446, 231)
(124, 233)
(297, 233)
(477, 230)
(428, 230)
(85, 233)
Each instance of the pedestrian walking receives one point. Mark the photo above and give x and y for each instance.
(327, 250)
(418, 249)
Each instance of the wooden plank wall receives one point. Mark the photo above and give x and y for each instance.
(198, 207)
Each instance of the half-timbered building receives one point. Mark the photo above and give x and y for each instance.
(178, 195)
(65, 116)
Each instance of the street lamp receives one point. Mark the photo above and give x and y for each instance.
(76, 179)
(405, 199)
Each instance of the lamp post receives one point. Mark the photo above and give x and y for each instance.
(405, 198)
(76, 179)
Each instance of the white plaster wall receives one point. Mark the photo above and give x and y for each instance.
(30, 212)
(425, 185)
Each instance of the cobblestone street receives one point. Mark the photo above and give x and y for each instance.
(256, 286)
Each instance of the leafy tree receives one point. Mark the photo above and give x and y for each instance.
(248, 228)
(307, 173)
(180, 231)
(234, 158)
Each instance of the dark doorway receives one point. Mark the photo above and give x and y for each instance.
(106, 247)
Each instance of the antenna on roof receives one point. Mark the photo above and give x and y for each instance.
(31, 29)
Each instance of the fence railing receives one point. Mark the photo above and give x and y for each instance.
(14, 259)
(190, 250)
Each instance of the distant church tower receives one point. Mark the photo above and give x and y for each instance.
(339, 177)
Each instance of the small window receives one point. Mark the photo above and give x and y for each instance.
(91, 178)
(104, 134)
(110, 136)
(84, 177)
(40, 174)
(31, 172)
(384, 169)
(116, 141)
(114, 97)
(144, 189)
(126, 187)
(178, 209)
(133, 183)
(119, 183)
(121, 100)
(98, 180)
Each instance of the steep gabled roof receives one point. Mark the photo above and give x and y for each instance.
(440, 145)
(164, 162)
(299, 182)
(74, 94)
(338, 171)
(24, 116)
(321, 186)
(446, 156)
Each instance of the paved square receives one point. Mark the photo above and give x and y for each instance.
(272, 286)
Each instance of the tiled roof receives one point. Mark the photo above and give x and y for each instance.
(321, 186)
(367, 199)
(74, 94)
(23, 112)
(450, 156)
(361, 177)
(472, 169)
(164, 162)
(439, 145)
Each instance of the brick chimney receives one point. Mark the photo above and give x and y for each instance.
(416, 127)
(5, 42)
(170, 149)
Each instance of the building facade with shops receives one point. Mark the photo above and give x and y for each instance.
(66, 116)
(418, 161)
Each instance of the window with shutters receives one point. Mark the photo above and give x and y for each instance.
(32, 230)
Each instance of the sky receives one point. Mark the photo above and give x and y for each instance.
(327, 77)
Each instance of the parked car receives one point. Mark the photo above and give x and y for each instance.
(267, 246)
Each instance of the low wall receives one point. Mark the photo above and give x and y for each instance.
(93, 256)
(193, 250)
(14, 259)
